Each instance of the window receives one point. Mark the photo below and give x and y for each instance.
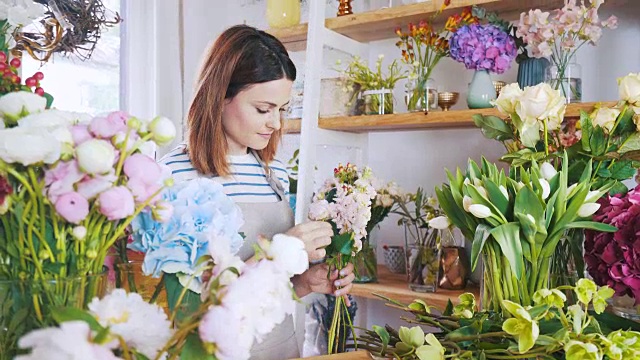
(91, 86)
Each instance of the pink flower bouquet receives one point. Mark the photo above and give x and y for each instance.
(614, 258)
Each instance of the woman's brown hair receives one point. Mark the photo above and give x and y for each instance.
(240, 57)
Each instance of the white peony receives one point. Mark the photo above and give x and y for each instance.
(70, 341)
(162, 130)
(24, 12)
(539, 103)
(605, 118)
(43, 146)
(143, 326)
(288, 254)
(53, 117)
(95, 156)
(629, 88)
(509, 97)
(15, 105)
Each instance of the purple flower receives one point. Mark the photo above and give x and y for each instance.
(614, 258)
(483, 47)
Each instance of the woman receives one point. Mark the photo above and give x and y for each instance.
(234, 127)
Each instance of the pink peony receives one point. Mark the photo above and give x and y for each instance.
(142, 192)
(72, 206)
(141, 168)
(116, 203)
(106, 127)
(91, 186)
(80, 134)
(614, 258)
(61, 179)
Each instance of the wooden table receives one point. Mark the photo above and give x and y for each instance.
(395, 286)
(354, 355)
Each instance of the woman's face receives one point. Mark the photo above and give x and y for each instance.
(251, 117)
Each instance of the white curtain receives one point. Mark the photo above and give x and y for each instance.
(152, 62)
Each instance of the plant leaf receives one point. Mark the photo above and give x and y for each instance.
(493, 127)
(62, 314)
(482, 233)
(597, 141)
(508, 236)
(592, 225)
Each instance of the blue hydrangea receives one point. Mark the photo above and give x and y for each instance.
(200, 209)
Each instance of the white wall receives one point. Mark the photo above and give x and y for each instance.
(418, 158)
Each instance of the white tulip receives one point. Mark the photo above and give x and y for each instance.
(29, 146)
(95, 156)
(466, 203)
(546, 188)
(482, 191)
(440, 222)
(588, 209)
(163, 130)
(629, 88)
(570, 190)
(480, 211)
(548, 171)
(605, 118)
(16, 105)
(592, 196)
(519, 185)
(509, 97)
(504, 191)
(289, 254)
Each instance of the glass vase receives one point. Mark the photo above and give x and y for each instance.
(421, 95)
(26, 305)
(366, 262)
(564, 267)
(481, 91)
(283, 13)
(422, 257)
(566, 77)
(378, 102)
(130, 277)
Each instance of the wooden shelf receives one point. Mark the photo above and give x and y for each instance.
(381, 24)
(352, 355)
(395, 286)
(419, 121)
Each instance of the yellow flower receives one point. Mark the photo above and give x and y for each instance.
(524, 329)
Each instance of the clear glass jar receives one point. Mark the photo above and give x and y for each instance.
(378, 102)
(567, 78)
(421, 95)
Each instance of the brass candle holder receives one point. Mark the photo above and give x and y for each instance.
(344, 8)
(498, 85)
(447, 99)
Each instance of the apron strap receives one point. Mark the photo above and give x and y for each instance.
(272, 179)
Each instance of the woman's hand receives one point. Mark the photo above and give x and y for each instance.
(315, 280)
(315, 235)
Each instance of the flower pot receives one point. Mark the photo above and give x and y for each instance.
(531, 72)
(26, 305)
(481, 91)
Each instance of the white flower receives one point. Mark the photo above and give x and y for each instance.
(480, 211)
(629, 88)
(79, 232)
(504, 191)
(384, 200)
(289, 254)
(588, 209)
(548, 171)
(15, 105)
(230, 331)
(605, 118)
(319, 210)
(95, 156)
(467, 201)
(43, 146)
(539, 103)
(509, 97)
(53, 117)
(570, 190)
(223, 257)
(163, 130)
(546, 188)
(440, 222)
(72, 340)
(143, 326)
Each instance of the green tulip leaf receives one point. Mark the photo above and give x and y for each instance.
(508, 236)
(481, 234)
(527, 202)
(497, 197)
(592, 225)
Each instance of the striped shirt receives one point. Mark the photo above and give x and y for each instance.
(246, 183)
